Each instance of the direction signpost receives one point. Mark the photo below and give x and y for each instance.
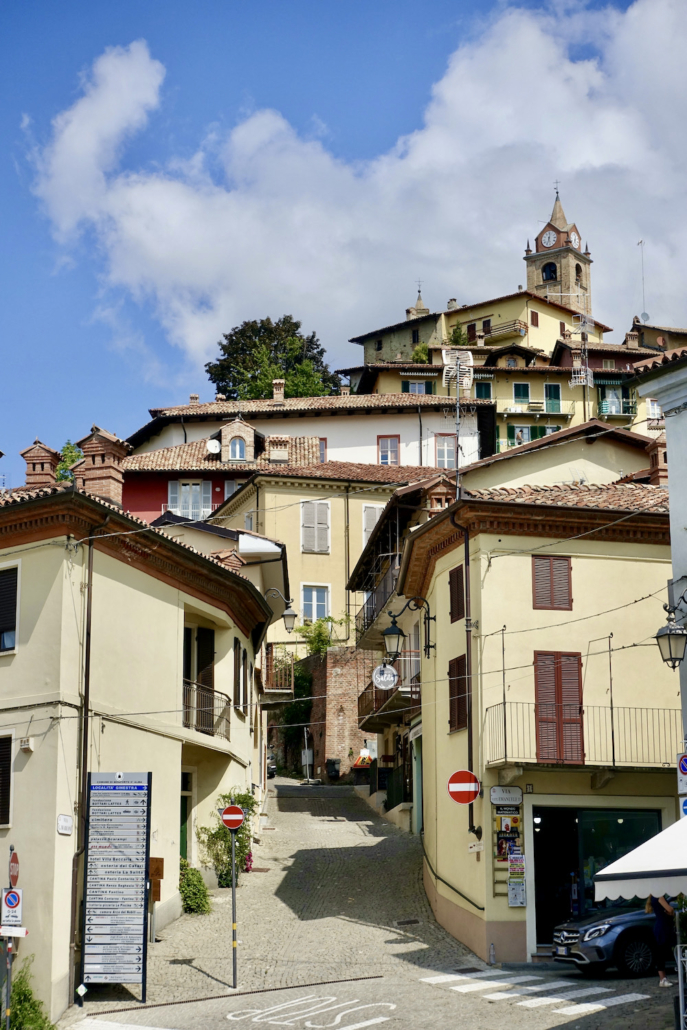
(463, 787)
(232, 816)
(114, 948)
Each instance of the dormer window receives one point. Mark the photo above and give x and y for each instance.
(237, 449)
(549, 272)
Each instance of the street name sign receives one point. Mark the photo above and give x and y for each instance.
(506, 795)
(384, 677)
(116, 882)
(463, 786)
(232, 817)
(11, 906)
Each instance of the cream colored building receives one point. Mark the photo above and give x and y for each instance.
(543, 675)
(174, 649)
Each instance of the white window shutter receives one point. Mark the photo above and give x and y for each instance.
(207, 495)
(308, 526)
(173, 494)
(229, 488)
(371, 513)
(322, 527)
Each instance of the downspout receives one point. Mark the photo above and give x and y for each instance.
(84, 759)
(477, 830)
(347, 554)
(184, 429)
(419, 418)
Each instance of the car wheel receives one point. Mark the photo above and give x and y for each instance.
(635, 956)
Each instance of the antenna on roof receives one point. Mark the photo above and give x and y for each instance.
(644, 316)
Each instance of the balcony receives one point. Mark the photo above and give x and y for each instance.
(206, 710)
(514, 327)
(528, 734)
(538, 409)
(377, 598)
(279, 677)
(195, 512)
(616, 408)
(380, 708)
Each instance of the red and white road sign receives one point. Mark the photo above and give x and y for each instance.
(14, 869)
(233, 817)
(463, 787)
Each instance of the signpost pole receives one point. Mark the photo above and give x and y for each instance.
(9, 956)
(233, 908)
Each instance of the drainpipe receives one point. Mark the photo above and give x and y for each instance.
(477, 830)
(347, 550)
(84, 759)
(419, 418)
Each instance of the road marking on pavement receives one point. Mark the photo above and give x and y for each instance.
(551, 985)
(452, 977)
(290, 1013)
(584, 993)
(465, 988)
(100, 1024)
(581, 1010)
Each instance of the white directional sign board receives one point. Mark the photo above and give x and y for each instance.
(116, 895)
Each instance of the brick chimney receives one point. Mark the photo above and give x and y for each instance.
(100, 470)
(277, 448)
(41, 464)
(345, 391)
(632, 340)
(194, 398)
(278, 390)
(658, 461)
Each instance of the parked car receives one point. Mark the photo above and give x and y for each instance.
(621, 936)
(271, 766)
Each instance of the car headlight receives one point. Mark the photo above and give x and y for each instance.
(597, 931)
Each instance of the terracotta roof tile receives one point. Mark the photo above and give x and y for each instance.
(609, 496)
(353, 402)
(194, 457)
(399, 474)
(669, 357)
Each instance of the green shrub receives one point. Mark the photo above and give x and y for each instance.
(216, 840)
(194, 893)
(421, 354)
(26, 1011)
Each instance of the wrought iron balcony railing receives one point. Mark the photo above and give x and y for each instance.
(206, 710)
(278, 670)
(617, 407)
(404, 699)
(377, 598)
(582, 735)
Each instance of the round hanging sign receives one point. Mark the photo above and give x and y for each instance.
(384, 677)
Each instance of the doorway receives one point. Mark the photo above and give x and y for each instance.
(570, 846)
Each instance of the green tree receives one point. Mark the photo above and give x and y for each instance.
(296, 714)
(421, 354)
(458, 337)
(256, 352)
(70, 453)
(216, 840)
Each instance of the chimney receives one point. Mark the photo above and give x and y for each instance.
(194, 398)
(452, 304)
(632, 340)
(41, 464)
(278, 390)
(345, 391)
(278, 449)
(658, 461)
(220, 396)
(100, 470)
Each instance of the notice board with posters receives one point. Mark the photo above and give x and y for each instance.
(114, 942)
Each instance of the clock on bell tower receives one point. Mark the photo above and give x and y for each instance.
(558, 268)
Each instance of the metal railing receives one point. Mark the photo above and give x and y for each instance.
(408, 688)
(377, 598)
(278, 670)
(617, 407)
(206, 710)
(520, 731)
(514, 327)
(397, 788)
(536, 407)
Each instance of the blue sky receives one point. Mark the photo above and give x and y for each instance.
(314, 158)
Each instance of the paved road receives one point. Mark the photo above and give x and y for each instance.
(342, 900)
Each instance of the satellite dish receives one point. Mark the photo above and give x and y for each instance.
(214, 446)
(645, 317)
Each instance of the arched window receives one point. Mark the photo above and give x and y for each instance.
(237, 449)
(549, 272)
(578, 273)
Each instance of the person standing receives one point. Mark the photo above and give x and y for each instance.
(664, 932)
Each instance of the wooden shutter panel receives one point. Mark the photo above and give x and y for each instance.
(188, 650)
(405, 386)
(237, 672)
(551, 583)
(453, 694)
(8, 600)
(456, 591)
(173, 493)
(572, 748)
(205, 657)
(5, 779)
(541, 582)
(545, 711)
(244, 681)
(308, 525)
(561, 583)
(322, 527)
(458, 693)
(207, 495)
(511, 433)
(371, 513)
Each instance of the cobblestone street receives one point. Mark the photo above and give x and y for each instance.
(340, 898)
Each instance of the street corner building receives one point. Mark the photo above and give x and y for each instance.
(170, 642)
(540, 675)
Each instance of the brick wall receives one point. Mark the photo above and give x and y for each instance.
(338, 678)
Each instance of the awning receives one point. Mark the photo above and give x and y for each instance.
(659, 866)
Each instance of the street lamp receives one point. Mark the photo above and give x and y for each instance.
(394, 636)
(288, 615)
(671, 638)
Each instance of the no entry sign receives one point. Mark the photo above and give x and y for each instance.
(463, 787)
(232, 817)
(14, 869)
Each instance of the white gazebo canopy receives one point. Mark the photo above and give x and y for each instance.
(659, 866)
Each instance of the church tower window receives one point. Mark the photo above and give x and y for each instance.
(549, 272)
(578, 273)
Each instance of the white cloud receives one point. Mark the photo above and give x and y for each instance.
(286, 227)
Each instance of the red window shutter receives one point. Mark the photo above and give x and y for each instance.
(561, 584)
(458, 693)
(571, 708)
(545, 712)
(456, 591)
(562, 328)
(237, 672)
(541, 583)
(534, 319)
(551, 583)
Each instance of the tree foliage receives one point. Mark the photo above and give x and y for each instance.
(296, 714)
(421, 354)
(256, 352)
(458, 337)
(70, 453)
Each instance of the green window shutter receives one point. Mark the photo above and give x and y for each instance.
(405, 386)
(511, 433)
(429, 386)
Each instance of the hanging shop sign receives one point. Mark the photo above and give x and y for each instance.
(116, 884)
(384, 677)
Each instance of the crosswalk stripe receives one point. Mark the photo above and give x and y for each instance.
(551, 985)
(452, 977)
(581, 1010)
(534, 1003)
(465, 988)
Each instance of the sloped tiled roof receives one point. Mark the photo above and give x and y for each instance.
(669, 357)
(194, 457)
(362, 473)
(307, 405)
(608, 496)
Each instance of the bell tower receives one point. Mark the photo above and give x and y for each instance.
(558, 268)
